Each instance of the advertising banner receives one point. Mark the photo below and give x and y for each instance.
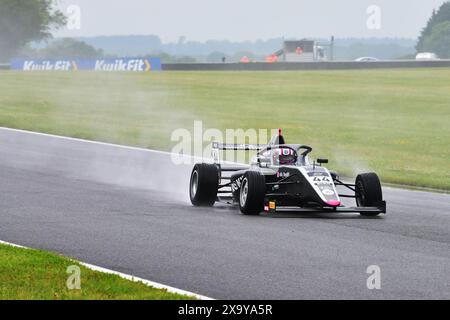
(105, 65)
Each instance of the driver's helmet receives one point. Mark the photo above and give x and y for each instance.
(284, 156)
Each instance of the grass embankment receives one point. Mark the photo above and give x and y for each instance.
(27, 274)
(395, 122)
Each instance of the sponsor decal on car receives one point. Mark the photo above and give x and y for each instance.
(281, 174)
(328, 192)
(236, 185)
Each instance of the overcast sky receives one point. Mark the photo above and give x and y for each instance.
(248, 19)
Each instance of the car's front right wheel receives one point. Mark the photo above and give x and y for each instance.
(368, 191)
(252, 193)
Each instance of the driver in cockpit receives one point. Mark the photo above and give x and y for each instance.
(284, 157)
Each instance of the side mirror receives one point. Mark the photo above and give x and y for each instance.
(322, 161)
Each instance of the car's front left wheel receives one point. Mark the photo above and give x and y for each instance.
(252, 193)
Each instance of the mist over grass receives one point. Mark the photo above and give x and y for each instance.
(394, 122)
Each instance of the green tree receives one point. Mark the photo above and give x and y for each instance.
(186, 59)
(23, 21)
(437, 17)
(70, 48)
(165, 57)
(439, 40)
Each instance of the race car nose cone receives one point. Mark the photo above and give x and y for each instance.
(334, 203)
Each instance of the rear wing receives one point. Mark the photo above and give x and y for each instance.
(238, 147)
(217, 147)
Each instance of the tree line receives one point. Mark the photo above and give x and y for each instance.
(435, 37)
(29, 21)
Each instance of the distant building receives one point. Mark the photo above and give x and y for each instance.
(302, 51)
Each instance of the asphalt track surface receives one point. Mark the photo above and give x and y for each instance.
(126, 209)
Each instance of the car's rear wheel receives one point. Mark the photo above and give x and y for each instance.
(204, 184)
(252, 193)
(368, 191)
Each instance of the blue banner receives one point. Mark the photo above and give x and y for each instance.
(106, 65)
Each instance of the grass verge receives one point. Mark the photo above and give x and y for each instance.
(27, 274)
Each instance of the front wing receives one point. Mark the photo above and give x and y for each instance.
(272, 208)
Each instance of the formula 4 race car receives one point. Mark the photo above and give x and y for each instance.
(281, 178)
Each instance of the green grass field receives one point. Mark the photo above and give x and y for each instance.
(395, 122)
(37, 275)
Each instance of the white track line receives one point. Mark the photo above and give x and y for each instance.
(127, 276)
(84, 140)
(112, 145)
(12, 245)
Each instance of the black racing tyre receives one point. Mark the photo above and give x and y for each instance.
(368, 191)
(252, 193)
(204, 185)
